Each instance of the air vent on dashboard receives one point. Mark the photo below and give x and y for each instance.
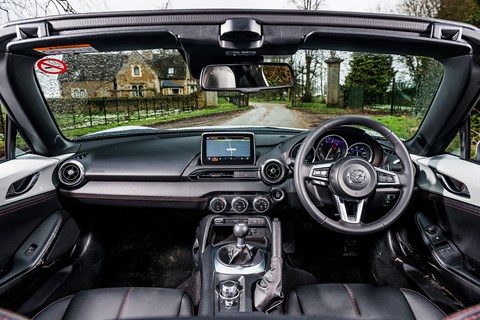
(80, 156)
(216, 175)
(273, 171)
(71, 173)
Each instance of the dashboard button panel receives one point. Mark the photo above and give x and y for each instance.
(244, 203)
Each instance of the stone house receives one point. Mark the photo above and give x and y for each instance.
(132, 74)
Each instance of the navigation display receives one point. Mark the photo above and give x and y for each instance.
(228, 148)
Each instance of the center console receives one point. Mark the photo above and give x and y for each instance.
(233, 254)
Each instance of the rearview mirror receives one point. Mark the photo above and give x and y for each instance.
(247, 78)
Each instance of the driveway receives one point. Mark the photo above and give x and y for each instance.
(269, 114)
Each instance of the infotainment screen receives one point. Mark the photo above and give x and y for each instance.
(228, 148)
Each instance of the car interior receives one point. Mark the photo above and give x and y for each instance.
(345, 219)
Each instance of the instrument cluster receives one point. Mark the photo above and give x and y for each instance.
(335, 146)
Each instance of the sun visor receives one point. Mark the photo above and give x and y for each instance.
(111, 39)
(382, 41)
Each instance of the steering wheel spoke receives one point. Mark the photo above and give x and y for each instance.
(350, 211)
(319, 173)
(387, 179)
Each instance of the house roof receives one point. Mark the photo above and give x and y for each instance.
(105, 66)
(170, 84)
(92, 67)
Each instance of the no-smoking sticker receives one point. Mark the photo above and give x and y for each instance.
(52, 66)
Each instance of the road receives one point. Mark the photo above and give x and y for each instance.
(262, 114)
(269, 114)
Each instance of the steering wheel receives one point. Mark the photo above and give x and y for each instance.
(352, 180)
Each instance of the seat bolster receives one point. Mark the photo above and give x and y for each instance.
(54, 311)
(186, 308)
(120, 303)
(293, 305)
(421, 306)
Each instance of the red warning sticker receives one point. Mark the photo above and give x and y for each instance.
(52, 66)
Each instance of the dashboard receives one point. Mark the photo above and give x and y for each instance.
(222, 172)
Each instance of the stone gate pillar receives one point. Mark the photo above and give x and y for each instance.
(211, 98)
(333, 81)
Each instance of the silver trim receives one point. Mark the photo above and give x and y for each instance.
(363, 143)
(342, 209)
(396, 182)
(218, 198)
(282, 171)
(80, 177)
(321, 166)
(258, 199)
(221, 267)
(239, 199)
(281, 191)
(331, 135)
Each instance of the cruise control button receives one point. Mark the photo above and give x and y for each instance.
(322, 173)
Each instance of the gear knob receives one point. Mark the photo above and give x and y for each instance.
(240, 230)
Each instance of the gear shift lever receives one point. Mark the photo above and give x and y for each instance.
(240, 230)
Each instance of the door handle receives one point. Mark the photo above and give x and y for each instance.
(453, 186)
(22, 186)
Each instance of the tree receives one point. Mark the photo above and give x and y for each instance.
(311, 57)
(373, 72)
(420, 8)
(22, 9)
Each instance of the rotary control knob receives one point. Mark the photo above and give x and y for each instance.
(261, 204)
(239, 204)
(218, 204)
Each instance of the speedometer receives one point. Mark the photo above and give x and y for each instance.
(361, 149)
(332, 147)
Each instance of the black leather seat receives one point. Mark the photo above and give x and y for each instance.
(360, 301)
(119, 303)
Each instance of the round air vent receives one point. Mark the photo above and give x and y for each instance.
(71, 173)
(273, 171)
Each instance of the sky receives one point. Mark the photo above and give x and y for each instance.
(335, 5)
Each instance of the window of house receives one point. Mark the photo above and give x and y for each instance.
(141, 91)
(134, 91)
(136, 71)
(79, 93)
(171, 71)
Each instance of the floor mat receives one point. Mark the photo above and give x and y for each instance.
(323, 253)
(148, 255)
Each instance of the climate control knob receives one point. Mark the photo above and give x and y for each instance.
(261, 204)
(218, 204)
(239, 204)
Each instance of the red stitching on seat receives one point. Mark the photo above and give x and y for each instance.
(473, 317)
(352, 300)
(124, 303)
(462, 312)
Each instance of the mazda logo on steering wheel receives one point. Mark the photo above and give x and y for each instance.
(356, 177)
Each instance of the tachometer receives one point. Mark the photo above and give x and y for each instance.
(361, 149)
(331, 147)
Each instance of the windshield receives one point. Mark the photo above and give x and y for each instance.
(128, 91)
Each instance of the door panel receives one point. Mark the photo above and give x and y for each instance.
(449, 221)
(30, 222)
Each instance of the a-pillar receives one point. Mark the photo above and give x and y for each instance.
(333, 81)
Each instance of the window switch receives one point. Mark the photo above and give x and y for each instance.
(30, 250)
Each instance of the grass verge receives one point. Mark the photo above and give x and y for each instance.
(225, 108)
